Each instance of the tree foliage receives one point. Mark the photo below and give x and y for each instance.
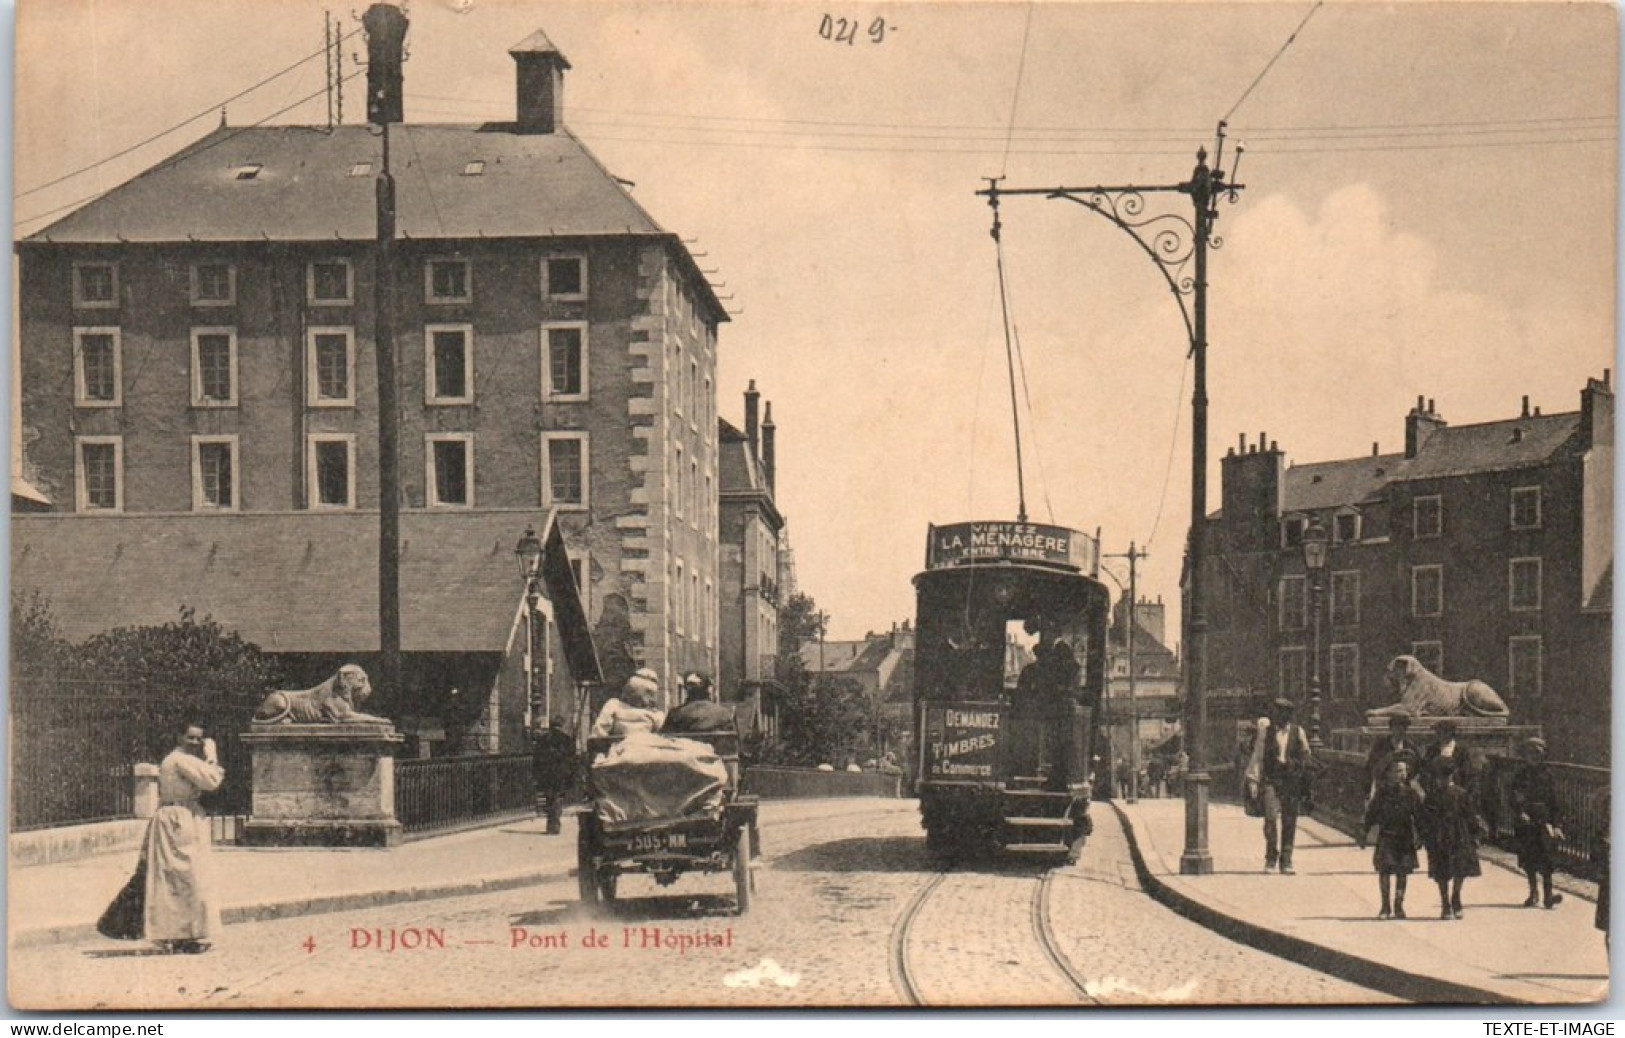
(37, 646)
(822, 720)
(182, 660)
(185, 655)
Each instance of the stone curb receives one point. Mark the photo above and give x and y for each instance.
(268, 910)
(1343, 965)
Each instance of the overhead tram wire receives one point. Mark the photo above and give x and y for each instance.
(1526, 133)
(1015, 97)
(633, 119)
(1173, 444)
(900, 149)
(193, 152)
(1260, 77)
(210, 110)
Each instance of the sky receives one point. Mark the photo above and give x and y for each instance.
(1429, 210)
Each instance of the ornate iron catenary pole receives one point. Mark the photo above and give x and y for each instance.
(1177, 245)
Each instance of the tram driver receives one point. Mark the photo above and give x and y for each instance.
(1042, 711)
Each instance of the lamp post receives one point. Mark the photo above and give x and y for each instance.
(1314, 562)
(529, 553)
(1179, 248)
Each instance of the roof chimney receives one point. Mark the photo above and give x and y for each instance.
(768, 432)
(385, 26)
(1421, 423)
(1526, 406)
(540, 82)
(751, 435)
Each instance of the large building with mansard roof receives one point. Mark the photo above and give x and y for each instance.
(200, 396)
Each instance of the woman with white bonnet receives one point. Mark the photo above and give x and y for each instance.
(636, 709)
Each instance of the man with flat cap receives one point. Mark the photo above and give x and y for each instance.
(1279, 771)
(698, 713)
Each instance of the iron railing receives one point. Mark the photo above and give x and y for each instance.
(1582, 792)
(73, 744)
(1582, 808)
(441, 792)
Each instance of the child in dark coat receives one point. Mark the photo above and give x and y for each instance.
(1394, 811)
(1455, 829)
(1534, 802)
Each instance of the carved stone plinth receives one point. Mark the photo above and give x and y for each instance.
(326, 785)
(1488, 736)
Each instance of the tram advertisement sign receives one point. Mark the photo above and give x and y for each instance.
(960, 543)
(962, 741)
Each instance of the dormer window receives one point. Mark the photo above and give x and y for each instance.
(1346, 527)
(251, 171)
(474, 169)
(1292, 528)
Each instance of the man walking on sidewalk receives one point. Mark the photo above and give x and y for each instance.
(1279, 772)
(553, 762)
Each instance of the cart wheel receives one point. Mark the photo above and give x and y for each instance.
(586, 870)
(744, 885)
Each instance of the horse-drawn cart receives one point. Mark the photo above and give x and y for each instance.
(664, 807)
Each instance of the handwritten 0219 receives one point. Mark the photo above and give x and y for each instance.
(847, 30)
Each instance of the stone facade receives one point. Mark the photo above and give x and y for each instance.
(526, 338)
(750, 528)
(1484, 550)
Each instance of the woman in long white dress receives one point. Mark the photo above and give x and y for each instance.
(182, 912)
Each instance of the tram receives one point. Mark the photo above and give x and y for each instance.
(1004, 754)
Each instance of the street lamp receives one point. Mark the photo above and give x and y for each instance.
(1314, 561)
(529, 553)
(1179, 248)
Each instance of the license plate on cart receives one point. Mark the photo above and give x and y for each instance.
(650, 843)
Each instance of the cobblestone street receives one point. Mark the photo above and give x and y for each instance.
(837, 883)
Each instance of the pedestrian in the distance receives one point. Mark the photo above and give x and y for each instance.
(1395, 812)
(1447, 754)
(1279, 774)
(1536, 823)
(1397, 743)
(182, 912)
(553, 764)
(1454, 830)
(1154, 772)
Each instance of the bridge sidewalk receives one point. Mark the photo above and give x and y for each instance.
(61, 901)
(1326, 914)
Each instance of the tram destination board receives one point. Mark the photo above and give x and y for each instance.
(964, 544)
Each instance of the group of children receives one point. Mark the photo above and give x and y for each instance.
(1425, 801)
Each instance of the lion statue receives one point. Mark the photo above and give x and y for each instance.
(334, 701)
(1424, 694)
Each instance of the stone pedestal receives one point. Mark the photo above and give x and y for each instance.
(145, 799)
(1485, 736)
(326, 785)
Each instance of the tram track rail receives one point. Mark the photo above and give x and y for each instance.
(1043, 949)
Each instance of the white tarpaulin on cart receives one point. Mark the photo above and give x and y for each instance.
(647, 779)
